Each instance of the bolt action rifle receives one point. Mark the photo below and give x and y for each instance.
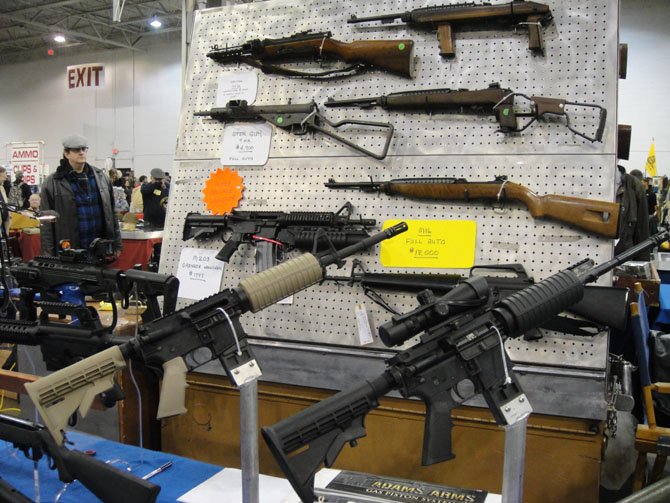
(296, 119)
(270, 230)
(107, 483)
(597, 217)
(494, 101)
(519, 13)
(393, 56)
(462, 339)
(212, 323)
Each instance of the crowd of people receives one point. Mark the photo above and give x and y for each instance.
(89, 202)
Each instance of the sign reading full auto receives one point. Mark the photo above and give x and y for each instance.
(86, 76)
(27, 158)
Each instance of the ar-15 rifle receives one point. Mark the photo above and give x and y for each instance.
(296, 119)
(46, 274)
(107, 483)
(519, 13)
(394, 56)
(271, 229)
(212, 323)
(598, 217)
(462, 339)
(602, 305)
(494, 101)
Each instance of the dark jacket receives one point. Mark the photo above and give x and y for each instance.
(634, 226)
(25, 193)
(57, 195)
(154, 198)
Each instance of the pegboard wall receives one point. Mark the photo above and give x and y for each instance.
(580, 65)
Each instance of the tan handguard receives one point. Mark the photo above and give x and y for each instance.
(59, 395)
(173, 389)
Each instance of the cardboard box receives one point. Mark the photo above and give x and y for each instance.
(651, 286)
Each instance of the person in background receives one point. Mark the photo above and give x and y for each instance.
(154, 199)
(82, 196)
(34, 203)
(19, 193)
(6, 184)
(136, 203)
(634, 226)
(4, 212)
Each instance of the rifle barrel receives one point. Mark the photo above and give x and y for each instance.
(385, 18)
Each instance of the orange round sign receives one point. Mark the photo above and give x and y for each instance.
(223, 191)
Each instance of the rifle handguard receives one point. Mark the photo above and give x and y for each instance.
(268, 287)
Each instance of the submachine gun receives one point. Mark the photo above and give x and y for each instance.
(462, 339)
(212, 323)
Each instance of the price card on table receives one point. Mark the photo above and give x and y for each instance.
(246, 144)
(236, 86)
(199, 273)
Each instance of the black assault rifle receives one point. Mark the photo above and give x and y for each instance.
(107, 483)
(602, 305)
(165, 343)
(269, 230)
(462, 339)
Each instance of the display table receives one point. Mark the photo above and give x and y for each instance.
(30, 245)
(137, 249)
(183, 475)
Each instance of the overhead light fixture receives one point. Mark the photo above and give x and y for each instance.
(59, 38)
(155, 22)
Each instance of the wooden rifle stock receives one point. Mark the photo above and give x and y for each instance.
(598, 217)
(394, 56)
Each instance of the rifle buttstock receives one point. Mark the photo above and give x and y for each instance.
(395, 56)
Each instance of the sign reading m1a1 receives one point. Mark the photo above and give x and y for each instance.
(86, 76)
(27, 159)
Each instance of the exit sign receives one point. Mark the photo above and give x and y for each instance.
(86, 76)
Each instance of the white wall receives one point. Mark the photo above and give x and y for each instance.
(137, 112)
(644, 96)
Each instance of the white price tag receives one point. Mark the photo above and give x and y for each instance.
(246, 144)
(363, 323)
(199, 273)
(236, 86)
(288, 300)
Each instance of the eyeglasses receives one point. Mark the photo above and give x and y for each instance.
(78, 149)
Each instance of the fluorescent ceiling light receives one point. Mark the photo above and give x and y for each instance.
(155, 22)
(59, 38)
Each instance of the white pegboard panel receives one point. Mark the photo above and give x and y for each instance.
(579, 65)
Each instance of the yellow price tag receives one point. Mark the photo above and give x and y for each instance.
(448, 244)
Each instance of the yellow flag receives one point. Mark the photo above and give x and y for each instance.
(650, 167)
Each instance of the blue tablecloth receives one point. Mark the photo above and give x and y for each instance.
(183, 475)
(664, 307)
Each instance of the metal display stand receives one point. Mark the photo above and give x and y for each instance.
(580, 65)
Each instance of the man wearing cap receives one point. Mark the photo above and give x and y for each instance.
(82, 196)
(154, 198)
